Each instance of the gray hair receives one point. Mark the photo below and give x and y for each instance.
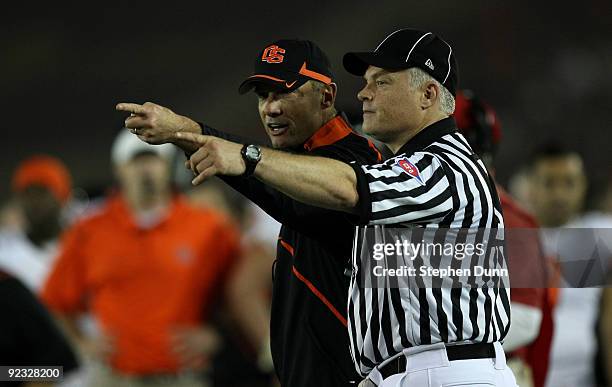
(318, 87)
(419, 77)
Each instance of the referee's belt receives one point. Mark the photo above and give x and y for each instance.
(454, 352)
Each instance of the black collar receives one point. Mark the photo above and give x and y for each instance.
(428, 136)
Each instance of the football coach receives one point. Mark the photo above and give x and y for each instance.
(295, 90)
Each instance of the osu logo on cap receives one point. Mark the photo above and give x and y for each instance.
(410, 168)
(272, 54)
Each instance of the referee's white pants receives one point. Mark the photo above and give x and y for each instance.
(428, 366)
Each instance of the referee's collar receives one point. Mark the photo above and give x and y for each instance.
(429, 135)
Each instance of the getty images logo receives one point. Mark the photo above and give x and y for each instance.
(429, 64)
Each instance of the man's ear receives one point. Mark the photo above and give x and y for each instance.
(329, 95)
(429, 95)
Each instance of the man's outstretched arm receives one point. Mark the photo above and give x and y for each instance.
(156, 124)
(317, 181)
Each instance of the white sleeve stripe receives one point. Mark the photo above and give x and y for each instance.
(407, 184)
(435, 213)
(435, 191)
(377, 174)
(400, 186)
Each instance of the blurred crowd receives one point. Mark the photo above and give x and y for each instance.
(168, 284)
(154, 282)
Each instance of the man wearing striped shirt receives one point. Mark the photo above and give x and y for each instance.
(423, 333)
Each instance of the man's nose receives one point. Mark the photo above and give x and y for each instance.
(272, 107)
(364, 94)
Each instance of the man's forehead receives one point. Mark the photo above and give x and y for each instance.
(264, 88)
(567, 164)
(374, 72)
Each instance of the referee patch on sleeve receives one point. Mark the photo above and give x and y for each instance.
(406, 166)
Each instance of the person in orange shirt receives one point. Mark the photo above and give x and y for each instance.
(529, 340)
(147, 266)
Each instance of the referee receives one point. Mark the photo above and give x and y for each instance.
(404, 336)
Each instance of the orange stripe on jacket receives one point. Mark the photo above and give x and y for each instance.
(320, 296)
(313, 288)
(287, 247)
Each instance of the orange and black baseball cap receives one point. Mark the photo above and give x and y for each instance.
(287, 64)
(408, 48)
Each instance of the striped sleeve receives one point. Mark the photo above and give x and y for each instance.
(411, 189)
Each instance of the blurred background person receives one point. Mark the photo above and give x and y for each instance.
(558, 184)
(148, 267)
(245, 358)
(261, 235)
(557, 190)
(33, 221)
(528, 341)
(28, 334)
(11, 218)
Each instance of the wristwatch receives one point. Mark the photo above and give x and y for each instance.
(251, 154)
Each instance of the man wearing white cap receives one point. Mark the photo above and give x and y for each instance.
(147, 266)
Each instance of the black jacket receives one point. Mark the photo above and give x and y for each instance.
(309, 337)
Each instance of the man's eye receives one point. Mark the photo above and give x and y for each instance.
(261, 94)
(380, 83)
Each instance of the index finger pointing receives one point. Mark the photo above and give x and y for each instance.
(131, 108)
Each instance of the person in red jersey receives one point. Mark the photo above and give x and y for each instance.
(530, 336)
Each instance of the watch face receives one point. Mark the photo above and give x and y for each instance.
(253, 153)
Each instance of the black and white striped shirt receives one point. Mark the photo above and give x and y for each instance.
(435, 181)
